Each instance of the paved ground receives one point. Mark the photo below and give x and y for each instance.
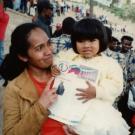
(17, 18)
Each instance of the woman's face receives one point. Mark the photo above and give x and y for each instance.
(40, 50)
(87, 48)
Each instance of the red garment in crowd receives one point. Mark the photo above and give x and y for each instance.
(133, 120)
(4, 18)
(49, 127)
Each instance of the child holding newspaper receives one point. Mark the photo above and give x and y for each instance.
(89, 39)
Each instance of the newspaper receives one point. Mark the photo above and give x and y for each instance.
(68, 109)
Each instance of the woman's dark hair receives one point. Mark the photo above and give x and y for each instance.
(89, 29)
(12, 66)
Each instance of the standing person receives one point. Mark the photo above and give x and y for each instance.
(58, 8)
(8, 4)
(89, 39)
(29, 94)
(126, 42)
(17, 4)
(45, 14)
(4, 18)
(126, 103)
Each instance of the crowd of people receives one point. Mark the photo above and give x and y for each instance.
(29, 76)
(30, 6)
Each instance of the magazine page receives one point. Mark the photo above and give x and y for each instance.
(68, 109)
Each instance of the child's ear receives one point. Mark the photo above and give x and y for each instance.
(22, 58)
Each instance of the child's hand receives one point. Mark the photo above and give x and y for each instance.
(86, 94)
(55, 70)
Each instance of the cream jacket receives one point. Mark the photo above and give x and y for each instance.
(23, 115)
(110, 84)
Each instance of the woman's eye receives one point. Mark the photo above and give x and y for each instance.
(39, 48)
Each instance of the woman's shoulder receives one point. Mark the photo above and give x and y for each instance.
(16, 84)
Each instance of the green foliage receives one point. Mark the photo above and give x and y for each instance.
(1, 1)
(117, 11)
(131, 13)
(126, 12)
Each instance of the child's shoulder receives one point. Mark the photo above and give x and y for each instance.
(107, 60)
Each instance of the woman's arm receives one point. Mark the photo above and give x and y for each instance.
(14, 123)
(29, 123)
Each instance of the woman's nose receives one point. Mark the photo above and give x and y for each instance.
(48, 50)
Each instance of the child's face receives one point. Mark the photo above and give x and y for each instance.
(87, 48)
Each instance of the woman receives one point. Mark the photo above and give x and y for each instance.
(29, 95)
(89, 40)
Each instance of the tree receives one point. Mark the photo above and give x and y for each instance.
(114, 2)
(128, 1)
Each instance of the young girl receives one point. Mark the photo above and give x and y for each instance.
(89, 40)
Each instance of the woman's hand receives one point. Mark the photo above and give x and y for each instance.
(86, 94)
(55, 70)
(69, 130)
(48, 96)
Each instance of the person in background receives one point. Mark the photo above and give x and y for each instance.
(4, 19)
(113, 47)
(8, 4)
(128, 71)
(58, 30)
(126, 42)
(44, 17)
(63, 42)
(126, 104)
(58, 8)
(23, 6)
